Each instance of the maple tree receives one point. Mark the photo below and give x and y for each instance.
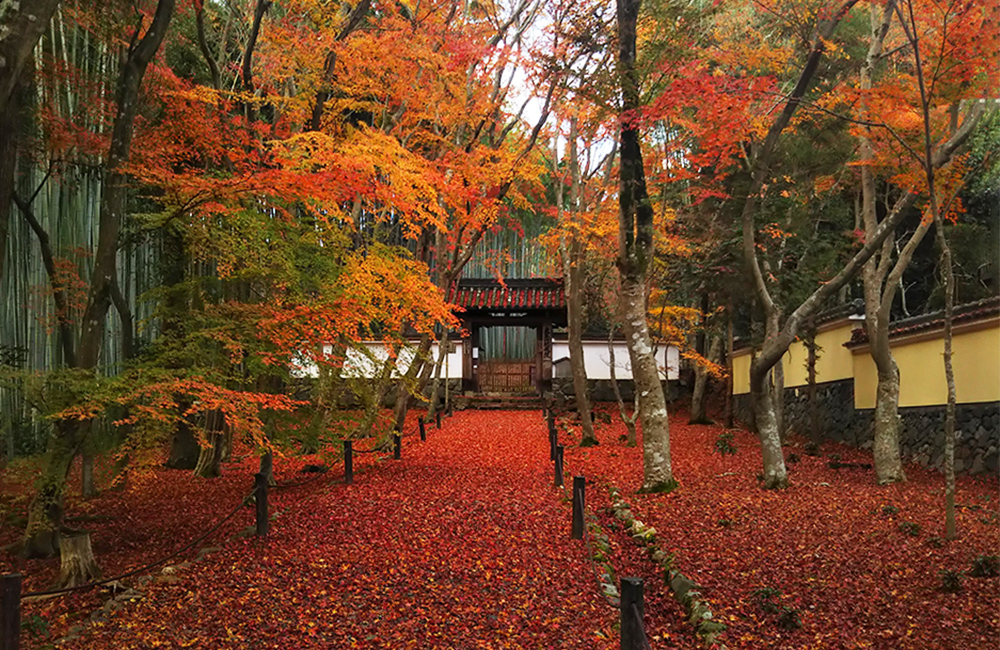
(957, 73)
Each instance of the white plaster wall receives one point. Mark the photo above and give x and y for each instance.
(359, 364)
(597, 361)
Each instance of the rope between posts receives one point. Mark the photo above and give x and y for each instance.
(374, 450)
(151, 565)
(288, 486)
(642, 627)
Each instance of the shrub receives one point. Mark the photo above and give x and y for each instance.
(985, 566)
(812, 449)
(951, 581)
(890, 510)
(724, 523)
(910, 528)
(792, 459)
(765, 599)
(789, 619)
(724, 444)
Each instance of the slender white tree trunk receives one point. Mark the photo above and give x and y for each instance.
(657, 473)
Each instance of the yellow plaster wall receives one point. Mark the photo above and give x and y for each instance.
(975, 358)
(835, 361)
(741, 373)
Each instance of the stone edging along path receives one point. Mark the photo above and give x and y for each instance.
(684, 590)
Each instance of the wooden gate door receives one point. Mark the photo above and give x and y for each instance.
(503, 376)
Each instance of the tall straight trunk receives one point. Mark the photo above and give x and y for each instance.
(729, 365)
(635, 254)
(948, 280)
(574, 317)
(21, 25)
(698, 393)
(573, 272)
(878, 297)
(657, 475)
(778, 379)
(765, 412)
(812, 356)
(69, 435)
(9, 127)
(88, 489)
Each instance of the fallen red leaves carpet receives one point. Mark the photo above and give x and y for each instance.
(464, 543)
(848, 564)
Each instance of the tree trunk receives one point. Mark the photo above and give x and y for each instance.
(635, 253)
(267, 467)
(811, 359)
(77, 558)
(210, 459)
(572, 254)
(778, 377)
(69, 434)
(184, 447)
(439, 365)
(766, 413)
(21, 25)
(729, 366)
(628, 420)
(885, 451)
(88, 490)
(45, 514)
(8, 165)
(948, 280)
(574, 316)
(698, 413)
(657, 473)
(419, 372)
(775, 474)
(878, 301)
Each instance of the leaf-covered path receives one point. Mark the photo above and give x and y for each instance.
(463, 543)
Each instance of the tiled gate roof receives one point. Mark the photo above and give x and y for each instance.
(512, 295)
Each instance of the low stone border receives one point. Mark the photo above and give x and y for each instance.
(684, 590)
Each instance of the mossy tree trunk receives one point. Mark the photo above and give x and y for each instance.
(78, 565)
(70, 434)
(699, 391)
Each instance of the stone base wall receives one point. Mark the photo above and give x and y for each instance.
(977, 429)
(601, 391)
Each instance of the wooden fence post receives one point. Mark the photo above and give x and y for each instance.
(260, 483)
(632, 611)
(423, 432)
(10, 611)
(437, 417)
(579, 485)
(348, 462)
(559, 465)
(553, 441)
(397, 446)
